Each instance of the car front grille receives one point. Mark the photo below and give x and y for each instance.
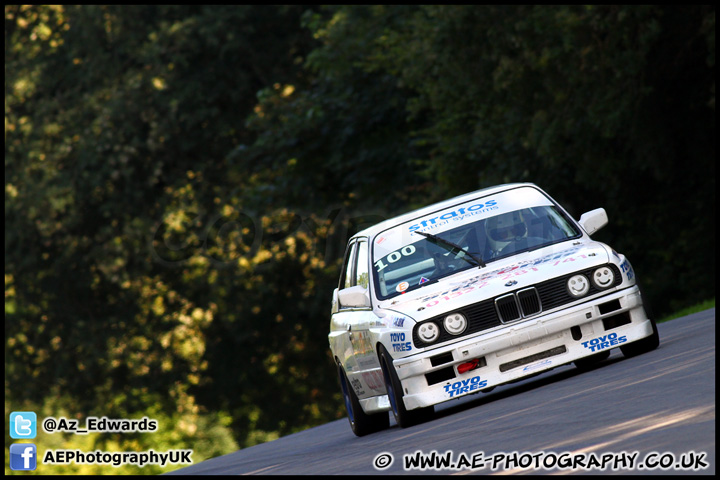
(513, 306)
(529, 301)
(507, 308)
(516, 305)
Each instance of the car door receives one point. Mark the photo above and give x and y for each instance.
(342, 317)
(350, 324)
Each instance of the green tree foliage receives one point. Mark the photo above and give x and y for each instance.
(118, 125)
(180, 181)
(607, 106)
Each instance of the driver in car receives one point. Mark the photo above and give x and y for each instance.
(504, 230)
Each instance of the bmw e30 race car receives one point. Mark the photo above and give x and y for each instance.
(474, 292)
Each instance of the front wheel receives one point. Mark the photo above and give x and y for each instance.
(404, 417)
(648, 343)
(644, 345)
(587, 363)
(361, 423)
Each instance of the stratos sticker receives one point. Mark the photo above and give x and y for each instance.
(455, 215)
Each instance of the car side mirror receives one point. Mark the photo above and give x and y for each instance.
(594, 220)
(357, 296)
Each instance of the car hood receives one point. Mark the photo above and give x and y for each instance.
(513, 273)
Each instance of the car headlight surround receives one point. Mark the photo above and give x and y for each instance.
(455, 323)
(578, 285)
(428, 332)
(603, 277)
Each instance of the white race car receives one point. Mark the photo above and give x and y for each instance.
(474, 292)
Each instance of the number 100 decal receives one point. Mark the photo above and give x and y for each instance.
(393, 257)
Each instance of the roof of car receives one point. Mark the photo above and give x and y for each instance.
(375, 229)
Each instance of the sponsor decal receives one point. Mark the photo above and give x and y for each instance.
(423, 280)
(535, 366)
(400, 345)
(506, 273)
(398, 321)
(374, 380)
(604, 341)
(455, 215)
(449, 295)
(357, 386)
(465, 386)
(627, 269)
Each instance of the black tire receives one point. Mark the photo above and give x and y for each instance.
(644, 345)
(589, 362)
(404, 417)
(361, 423)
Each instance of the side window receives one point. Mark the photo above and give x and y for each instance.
(346, 276)
(361, 266)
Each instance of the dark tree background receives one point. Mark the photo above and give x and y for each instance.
(180, 182)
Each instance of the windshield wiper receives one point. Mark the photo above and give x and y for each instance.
(455, 248)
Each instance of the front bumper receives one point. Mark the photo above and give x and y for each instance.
(523, 349)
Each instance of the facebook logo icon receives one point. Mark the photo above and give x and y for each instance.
(23, 456)
(23, 425)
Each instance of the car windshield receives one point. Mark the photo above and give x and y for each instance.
(414, 260)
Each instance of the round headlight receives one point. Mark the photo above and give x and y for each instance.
(603, 277)
(578, 285)
(455, 323)
(428, 332)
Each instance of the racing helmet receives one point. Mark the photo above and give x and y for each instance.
(505, 228)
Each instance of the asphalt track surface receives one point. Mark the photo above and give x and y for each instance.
(660, 406)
